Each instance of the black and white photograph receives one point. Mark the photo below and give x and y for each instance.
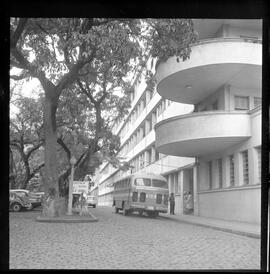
(136, 143)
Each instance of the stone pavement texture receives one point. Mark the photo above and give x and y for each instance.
(127, 242)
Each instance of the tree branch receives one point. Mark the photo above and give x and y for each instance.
(87, 92)
(36, 170)
(33, 149)
(18, 32)
(64, 146)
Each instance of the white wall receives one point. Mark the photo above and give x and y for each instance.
(237, 205)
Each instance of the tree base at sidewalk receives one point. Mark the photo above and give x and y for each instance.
(54, 207)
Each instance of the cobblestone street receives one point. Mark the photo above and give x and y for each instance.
(126, 242)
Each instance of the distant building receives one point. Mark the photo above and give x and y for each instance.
(202, 128)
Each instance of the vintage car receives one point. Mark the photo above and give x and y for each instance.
(17, 203)
(91, 200)
(35, 199)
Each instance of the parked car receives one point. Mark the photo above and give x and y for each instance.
(17, 202)
(91, 200)
(35, 199)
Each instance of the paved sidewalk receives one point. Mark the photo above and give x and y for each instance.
(242, 228)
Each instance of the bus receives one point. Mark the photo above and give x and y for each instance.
(141, 192)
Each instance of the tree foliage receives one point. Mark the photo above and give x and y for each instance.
(26, 139)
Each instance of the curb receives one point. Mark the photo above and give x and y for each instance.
(68, 219)
(230, 230)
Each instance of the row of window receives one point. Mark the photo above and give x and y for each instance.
(144, 128)
(145, 158)
(240, 103)
(244, 170)
(136, 112)
(243, 102)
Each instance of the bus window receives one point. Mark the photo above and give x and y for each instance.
(159, 183)
(142, 182)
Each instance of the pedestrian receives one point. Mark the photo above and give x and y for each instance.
(172, 204)
(83, 205)
(189, 202)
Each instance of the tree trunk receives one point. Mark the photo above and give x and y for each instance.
(27, 174)
(51, 202)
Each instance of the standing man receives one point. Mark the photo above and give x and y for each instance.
(172, 204)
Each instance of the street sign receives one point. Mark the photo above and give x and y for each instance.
(80, 186)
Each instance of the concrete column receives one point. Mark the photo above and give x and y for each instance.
(215, 175)
(147, 158)
(153, 154)
(147, 96)
(154, 119)
(181, 190)
(225, 172)
(195, 190)
(147, 126)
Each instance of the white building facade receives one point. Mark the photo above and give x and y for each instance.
(222, 80)
(137, 137)
(201, 128)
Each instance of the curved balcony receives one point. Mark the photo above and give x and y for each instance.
(202, 133)
(212, 64)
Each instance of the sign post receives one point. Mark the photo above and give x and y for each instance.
(70, 190)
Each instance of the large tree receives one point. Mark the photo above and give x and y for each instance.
(60, 52)
(26, 138)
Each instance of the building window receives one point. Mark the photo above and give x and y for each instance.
(210, 174)
(245, 166)
(220, 173)
(257, 101)
(258, 149)
(241, 102)
(231, 159)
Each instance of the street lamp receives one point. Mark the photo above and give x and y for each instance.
(70, 190)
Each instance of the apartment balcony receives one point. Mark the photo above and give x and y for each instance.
(212, 64)
(202, 133)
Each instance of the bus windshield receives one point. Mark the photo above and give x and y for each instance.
(159, 183)
(142, 182)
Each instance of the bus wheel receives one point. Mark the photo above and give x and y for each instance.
(125, 211)
(116, 209)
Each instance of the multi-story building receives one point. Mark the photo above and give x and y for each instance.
(137, 137)
(202, 128)
(222, 79)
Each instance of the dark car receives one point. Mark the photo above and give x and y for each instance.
(17, 203)
(32, 197)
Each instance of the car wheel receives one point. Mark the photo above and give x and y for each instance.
(94, 206)
(16, 207)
